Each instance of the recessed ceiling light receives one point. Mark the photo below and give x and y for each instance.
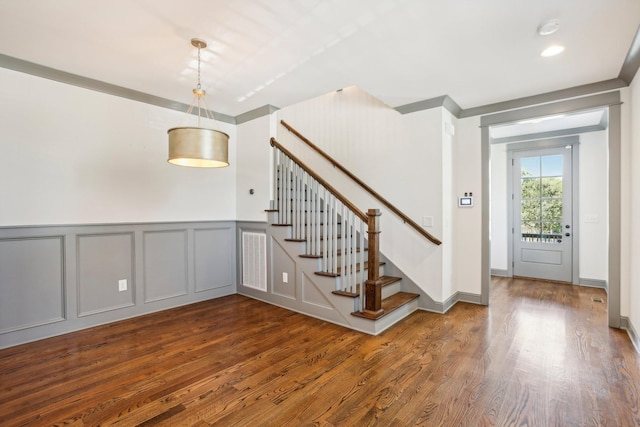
(552, 50)
(548, 27)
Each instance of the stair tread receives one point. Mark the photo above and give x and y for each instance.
(304, 210)
(339, 236)
(309, 256)
(347, 293)
(386, 280)
(321, 253)
(389, 304)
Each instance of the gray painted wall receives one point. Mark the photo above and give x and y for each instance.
(58, 279)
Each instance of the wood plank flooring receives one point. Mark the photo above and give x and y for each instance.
(540, 355)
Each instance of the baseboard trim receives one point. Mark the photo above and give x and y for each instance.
(457, 297)
(593, 283)
(633, 334)
(449, 302)
(470, 298)
(499, 272)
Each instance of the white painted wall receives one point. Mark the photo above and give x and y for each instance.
(633, 288)
(448, 206)
(468, 221)
(75, 156)
(400, 156)
(593, 189)
(499, 206)
(253, 163)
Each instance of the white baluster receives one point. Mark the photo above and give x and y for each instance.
(343, 248)
(325, 229)
(362, 258)
(335, 235)
(318, 219)
(296, 201)
(281, 213)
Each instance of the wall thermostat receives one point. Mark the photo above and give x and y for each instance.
(466, 201)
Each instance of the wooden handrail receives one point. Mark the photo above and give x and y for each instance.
(370, 190)
(363, 216)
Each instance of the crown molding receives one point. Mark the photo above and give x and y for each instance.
(38, 70)
(631, 63)
(629, 69)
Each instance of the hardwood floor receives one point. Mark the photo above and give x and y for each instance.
(540, 355)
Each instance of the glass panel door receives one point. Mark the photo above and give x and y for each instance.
(542, 206)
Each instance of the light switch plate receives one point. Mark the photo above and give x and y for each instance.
(592, 218)
(427, 221)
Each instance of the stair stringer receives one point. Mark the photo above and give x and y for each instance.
(311, 294)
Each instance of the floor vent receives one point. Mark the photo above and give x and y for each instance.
(597, 299)
(254, 260)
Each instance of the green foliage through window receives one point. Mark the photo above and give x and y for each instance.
(541, 196)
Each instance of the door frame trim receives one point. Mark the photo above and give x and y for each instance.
(541, 144)
(614, 131)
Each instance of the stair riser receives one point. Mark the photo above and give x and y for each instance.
(395, 317)
(391, 289)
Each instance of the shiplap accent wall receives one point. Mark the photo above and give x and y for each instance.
(404, 157)
(57, 279)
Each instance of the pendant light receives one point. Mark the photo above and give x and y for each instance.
(198, 146)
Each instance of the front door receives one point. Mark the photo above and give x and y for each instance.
(542, 214)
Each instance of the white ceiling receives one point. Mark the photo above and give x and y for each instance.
(280, 52)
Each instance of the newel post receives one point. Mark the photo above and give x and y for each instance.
(373, 288)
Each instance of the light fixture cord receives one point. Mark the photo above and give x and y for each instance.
(200, 95)
(199, 87)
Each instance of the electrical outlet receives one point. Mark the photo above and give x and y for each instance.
(122, 285)
(285, 277)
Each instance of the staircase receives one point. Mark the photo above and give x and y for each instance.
(336, 247)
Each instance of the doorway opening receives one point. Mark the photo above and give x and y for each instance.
(608, 178)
